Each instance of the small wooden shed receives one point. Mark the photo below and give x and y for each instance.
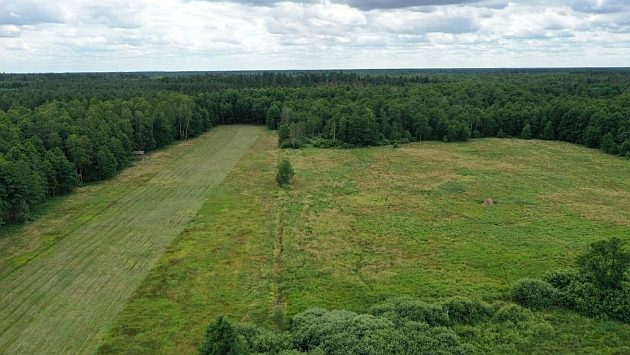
(138, 154)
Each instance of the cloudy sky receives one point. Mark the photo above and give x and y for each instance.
(136, 35)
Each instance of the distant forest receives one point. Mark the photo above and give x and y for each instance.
(58, 131)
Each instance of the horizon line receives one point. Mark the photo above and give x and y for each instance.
(318, 70)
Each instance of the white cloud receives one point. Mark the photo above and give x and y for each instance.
(81, 35)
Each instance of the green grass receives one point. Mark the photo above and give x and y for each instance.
(363, 225)
(66, 276)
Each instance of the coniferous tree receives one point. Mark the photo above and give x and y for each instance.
(285, 173)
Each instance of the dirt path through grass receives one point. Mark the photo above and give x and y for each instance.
(62, 301)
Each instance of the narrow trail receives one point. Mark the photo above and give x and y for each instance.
(64, 300)
(279, 285)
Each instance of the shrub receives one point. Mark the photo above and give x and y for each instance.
(220, 339)
(465, 311)
(535, 294)
(408, 309)
(511, 313)
(591, 300)
(344, 332)
(285, 173)
(339, 331)
(598, 288)
(561, 278)
(261, 340)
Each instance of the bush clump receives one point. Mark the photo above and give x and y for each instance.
(598, 287)
(344, 332)
(461, 310)
(221, 339)
(257, 340)
(510, 313)
(402, 309)
(561, 278)
(401, 325)
(534, 293)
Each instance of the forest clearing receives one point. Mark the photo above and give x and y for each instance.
(362, 225)
(325, 177)
(325, 212)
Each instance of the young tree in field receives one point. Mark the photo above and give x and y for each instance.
(285, 173)
(220, 339)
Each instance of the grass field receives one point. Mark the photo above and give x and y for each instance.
(65, 277)
(362, 225)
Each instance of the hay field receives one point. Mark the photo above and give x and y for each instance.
(65, 277)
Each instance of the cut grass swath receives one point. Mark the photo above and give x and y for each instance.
(62, 300)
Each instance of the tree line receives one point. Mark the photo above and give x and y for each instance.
(58, 131)
(448, 112)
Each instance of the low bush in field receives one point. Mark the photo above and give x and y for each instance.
(466, 311)
(400, 325)
(404, 309)
(511, 313)
(598, 287)
(535, 294)
(344, 332)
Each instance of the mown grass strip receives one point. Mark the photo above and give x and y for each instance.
(62, 300)
(224, 262)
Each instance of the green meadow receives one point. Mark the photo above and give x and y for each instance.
(359, 226)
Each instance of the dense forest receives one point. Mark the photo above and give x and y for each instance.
(58, 131)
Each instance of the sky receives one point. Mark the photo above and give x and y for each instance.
(183, 35)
